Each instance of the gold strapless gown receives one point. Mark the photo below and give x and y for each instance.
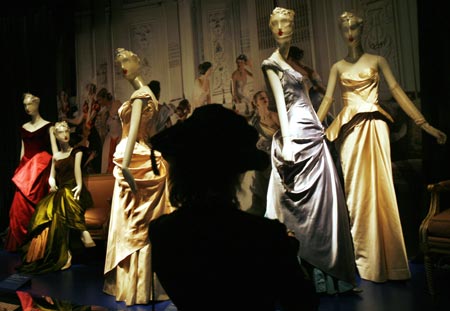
(362, 135)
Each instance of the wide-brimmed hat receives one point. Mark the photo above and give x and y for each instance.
(212, 138)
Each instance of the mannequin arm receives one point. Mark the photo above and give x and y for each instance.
(22, 150)
(132, 135)
(51, 179)
(78, 177)
(53, 143)
(406, 104)
(278, 94)
(324, 107)
(328, 98)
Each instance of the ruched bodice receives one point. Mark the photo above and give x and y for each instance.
(359, 95)
(147, 123)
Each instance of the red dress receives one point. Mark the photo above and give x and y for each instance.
(31, 180)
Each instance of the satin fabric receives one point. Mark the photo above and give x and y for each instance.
(56, 215)
(128, 274)
(362, 133)
(305, 193)
(253, 193)
(31, 181)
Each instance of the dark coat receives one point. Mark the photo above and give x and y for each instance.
(226, 259)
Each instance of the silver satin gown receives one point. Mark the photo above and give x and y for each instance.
(305, 194)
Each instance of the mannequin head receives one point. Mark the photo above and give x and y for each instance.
(281, 24)
(129, 63)
(31, 104)
(261, 100)
(183, 109)
(241, 61)
(104, 97)
(204, 68)
(62, 132)
(351, 27)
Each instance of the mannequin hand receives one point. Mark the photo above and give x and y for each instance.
(52, 183)
(76, 192)
(441, 137)
(129, 178)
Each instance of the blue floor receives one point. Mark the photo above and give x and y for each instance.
(82, 285)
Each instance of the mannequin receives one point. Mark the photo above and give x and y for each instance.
(304, 190)
(254, 185)
(140, 194)
(362, 136)
(60, 212)
(112, 125)
(31, 176)
(202, 92)
(239, 89)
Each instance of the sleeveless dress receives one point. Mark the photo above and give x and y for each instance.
(31, 181)
(362, 134)
(128, 273)
(305, 194)
(199, 94)
(57, 214)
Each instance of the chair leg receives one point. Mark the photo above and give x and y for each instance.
(429, 274)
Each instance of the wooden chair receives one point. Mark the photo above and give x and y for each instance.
(435, 231)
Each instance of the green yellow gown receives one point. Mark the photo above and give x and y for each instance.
(58, 213)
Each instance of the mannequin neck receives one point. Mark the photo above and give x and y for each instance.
(65, 147)
(354, 54)
(283, 50)
(36, 118)
(138, 82)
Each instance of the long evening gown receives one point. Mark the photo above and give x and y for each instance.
(128, 274)
(362, 134)
(305, 194)
(31, 181)
(57, 214)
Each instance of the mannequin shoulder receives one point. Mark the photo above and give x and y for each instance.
(32, 127)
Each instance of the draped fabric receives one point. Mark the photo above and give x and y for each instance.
(31, 182)
(56, 215)
(128, 273)
(362, 133)
(304, 192)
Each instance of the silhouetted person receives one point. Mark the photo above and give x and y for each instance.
(208, 254)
